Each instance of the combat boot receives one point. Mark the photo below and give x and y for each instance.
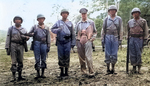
(14, 76)
(139, 69)
(37, 75)
(134, 69)
(62, 72)
(108, 69)
(42, 75)
(20, 76)
(66, 72)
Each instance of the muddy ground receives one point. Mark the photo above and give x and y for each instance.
(75, 78)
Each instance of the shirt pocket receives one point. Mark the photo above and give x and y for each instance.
(116, 23)
(132, 24)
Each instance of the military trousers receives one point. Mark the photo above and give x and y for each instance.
(17, 52)
(85, 57)
(63, 49)
(40, 53)
(135, 51)
(111, 49)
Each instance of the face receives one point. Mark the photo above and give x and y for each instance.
(64, 15)
(40, 20)
(84, 15)
(18, 22)
(112, 12)
(136, 14)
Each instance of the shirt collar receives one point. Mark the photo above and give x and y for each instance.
(19, 27)
(137, 20)
(111, 18)
(85, 20)
(41, 26)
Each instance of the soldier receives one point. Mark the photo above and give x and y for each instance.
(138, 33)
(112, 36)
(15, 47)
(86, 33)
(40, 45)
(65, 41)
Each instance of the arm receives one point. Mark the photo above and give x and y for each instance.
(56, 28)
(94, 32)
(48, 39)
(102, 34)
(103, 31)
(128, 29)
(73, 39)
(146, 30)
(8, 39)
(23, 34)
(31, 32)
(121, 29)
(77, 31)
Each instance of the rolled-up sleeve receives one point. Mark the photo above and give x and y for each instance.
(31, 32)
(146, 30)
(7, 44)
(121, 30)
(48, 38)
(102, 31)
(94, 31)
(73, 39)
(55, 28)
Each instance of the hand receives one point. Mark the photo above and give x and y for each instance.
(8, 51)
(120, 41)
(77, 39)
(48, 49)
(144, 42)
(72, 46)
(61, 27)
(30, 34)
(90, 40)
(27, 38)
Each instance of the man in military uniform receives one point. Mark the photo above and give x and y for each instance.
(86, 33)
(41, 45)
(138, 33)
(15, 46)
(112, 36)
(65, 41)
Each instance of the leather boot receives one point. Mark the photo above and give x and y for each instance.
(108, 68)
(62, 71)
(139, 69)
(134, 69)
(42, 75)
(113, 69)
(66, 72)
(20, 76)
(14, 76)
(38, 74)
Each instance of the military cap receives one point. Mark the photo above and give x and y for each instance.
(135, 10)
(17, 17)
(40, 16)
(83, 10)
(64, 11)
(112, 7)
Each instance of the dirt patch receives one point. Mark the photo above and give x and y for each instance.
(75, 78)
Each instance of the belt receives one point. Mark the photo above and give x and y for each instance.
(111, 33)
(136, 35)
(18, 42)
